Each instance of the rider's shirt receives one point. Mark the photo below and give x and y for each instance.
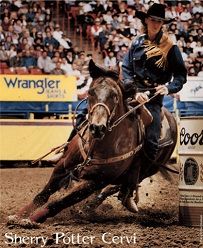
(150, 64)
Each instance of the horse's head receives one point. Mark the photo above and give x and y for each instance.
(104, 97)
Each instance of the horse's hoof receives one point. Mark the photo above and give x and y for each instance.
(17, 221)
(130, 205)
(13, 219)
(27, 223)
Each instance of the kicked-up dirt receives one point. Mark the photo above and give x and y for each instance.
(110, 225)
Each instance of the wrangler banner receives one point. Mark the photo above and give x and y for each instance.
(56, 88)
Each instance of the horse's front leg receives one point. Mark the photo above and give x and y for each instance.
(42, 197)
(60, 172)
(79, 192)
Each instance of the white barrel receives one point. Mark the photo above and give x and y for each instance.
(191, 171)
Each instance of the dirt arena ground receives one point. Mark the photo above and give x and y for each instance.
(111, 225)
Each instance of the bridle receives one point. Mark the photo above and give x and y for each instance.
(110, 113)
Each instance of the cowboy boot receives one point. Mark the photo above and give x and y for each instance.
(131, 201)
(131, 184)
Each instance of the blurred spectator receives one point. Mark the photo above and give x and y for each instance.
(171, 13)
(23, 43)
(38, 43)
(179, 8)
(5, 23)
(28, 60)
(197, 18)
(49, 39)
(115, 22)
(191, 71)
(50, 51)
(104, 34)
(200, 73)
(45, 63)
(188, 49)
(69, 57)
(17, 61)
(11, 52)
(98, 8)
(197, 7)
(30, 40)
(181, 42)
(2, 35)
(184, 55)
(57, 70)
(3, 53)
(121, 53)
(6, 13)
(57, 33)
(85, 20)
(95, 30)
(107, 16)
(185, 16)
(110, 60)
(81, 86)
(198, 48)
(8, 42)
(66, 67)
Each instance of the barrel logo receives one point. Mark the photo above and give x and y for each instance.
(191, 171)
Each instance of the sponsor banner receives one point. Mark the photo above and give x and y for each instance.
(192, 90)
(48, 88)
(30, 139)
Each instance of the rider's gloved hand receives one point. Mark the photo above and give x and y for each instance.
(161, 89)
(141, 97)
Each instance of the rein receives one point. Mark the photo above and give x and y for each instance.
(120, 119)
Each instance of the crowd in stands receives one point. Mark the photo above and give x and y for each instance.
(31, 38)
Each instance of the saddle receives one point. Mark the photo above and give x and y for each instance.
(145, 118)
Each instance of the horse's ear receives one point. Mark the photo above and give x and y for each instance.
(97, 71)
(94, 70)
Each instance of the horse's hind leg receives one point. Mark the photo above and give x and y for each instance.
(41, 198)
(101, 196)
(81, 191)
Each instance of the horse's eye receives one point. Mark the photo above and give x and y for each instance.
(112, 94)
(91, 92)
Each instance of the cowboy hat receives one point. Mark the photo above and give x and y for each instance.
(156, 11)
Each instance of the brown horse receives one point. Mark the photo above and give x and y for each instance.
(100, 154)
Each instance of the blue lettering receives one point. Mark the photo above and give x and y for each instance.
(10, 82)
(41, 85)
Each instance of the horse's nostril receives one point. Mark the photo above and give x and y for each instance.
(97, 131)
(102, 128)
(92, 128)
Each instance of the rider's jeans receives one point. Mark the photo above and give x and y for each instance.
(152, 134)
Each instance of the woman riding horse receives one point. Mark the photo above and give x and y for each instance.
(99, 155)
